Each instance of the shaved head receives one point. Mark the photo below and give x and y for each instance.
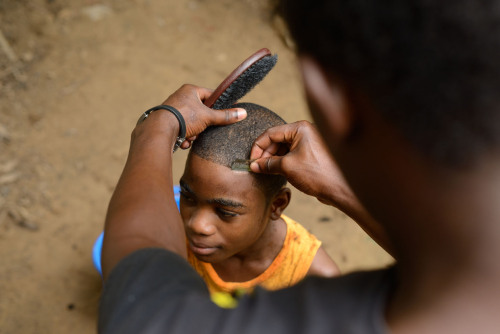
(224, 144)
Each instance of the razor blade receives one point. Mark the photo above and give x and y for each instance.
(242, 165)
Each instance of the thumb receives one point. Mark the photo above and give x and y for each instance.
(270, 165)
(228, 116)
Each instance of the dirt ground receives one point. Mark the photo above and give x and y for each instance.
(74, 77)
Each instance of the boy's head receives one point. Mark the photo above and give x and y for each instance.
(224, 144)
(431, 68)
(227, 212)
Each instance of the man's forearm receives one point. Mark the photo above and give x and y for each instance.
(142, 212)
(346, 202)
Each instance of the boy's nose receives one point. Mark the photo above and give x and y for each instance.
(201, 225)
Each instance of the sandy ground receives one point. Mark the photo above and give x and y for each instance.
(74, 77)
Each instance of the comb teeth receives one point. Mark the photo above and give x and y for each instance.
(245, 82)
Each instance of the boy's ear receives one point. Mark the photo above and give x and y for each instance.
(327, 99)
(279, 202)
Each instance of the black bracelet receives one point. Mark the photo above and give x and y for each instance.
(182, 124)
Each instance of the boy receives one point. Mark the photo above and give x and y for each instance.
(237, 235)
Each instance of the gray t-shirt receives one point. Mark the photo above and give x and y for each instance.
(156, 291)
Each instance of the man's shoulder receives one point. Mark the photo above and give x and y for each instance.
(352, 303)
(158, 289)
(360, 284)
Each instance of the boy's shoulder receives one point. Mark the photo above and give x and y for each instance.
(304, 242)
(298, 238)
(295, 228)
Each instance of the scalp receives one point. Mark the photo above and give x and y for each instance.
(224, 144)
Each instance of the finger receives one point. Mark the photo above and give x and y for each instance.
(261, 145)
(204, 93)
(271, 150)
(270, 142)
(258, 152)
(270, 165)
(185, 145)
(282, 150)
(227, 116)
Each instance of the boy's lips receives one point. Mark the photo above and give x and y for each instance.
(202, 249)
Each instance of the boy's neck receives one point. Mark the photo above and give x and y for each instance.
(254, 260)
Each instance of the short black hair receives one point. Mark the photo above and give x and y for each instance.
(431, 68)
(224, 144)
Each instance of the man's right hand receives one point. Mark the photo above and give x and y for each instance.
(297, 151)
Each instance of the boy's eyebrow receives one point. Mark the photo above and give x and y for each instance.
(226, 202)
(220, 201)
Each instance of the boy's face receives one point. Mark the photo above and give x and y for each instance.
(224, 212)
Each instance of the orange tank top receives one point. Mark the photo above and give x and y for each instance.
(288, 268)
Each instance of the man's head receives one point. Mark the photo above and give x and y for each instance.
(429, 67)
(405, 94)
(226, 212)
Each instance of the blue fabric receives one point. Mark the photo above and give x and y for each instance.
(97, 249)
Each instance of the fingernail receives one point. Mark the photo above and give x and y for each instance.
(254, 166)
(240, 114)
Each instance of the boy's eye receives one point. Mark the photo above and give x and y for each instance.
(225, 213)
(185, 196)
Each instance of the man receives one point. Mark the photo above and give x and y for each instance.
(405, 94)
